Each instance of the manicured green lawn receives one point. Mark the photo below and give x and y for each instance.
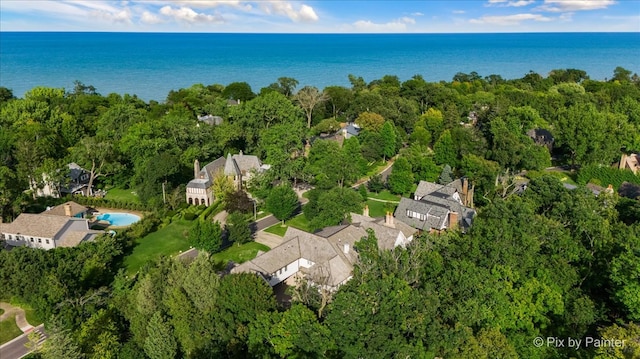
(384, 195)
(9, 330)
(299, 222)
(277, 229)
(164, 242)
(240, 254)
(378, 209)
(122, 195)
(376, 167)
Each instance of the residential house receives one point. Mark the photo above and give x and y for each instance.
(436, 207)
(237, 167)
(210, 120)
(542, 137)
(62, 226)
(76, 182)
(325, 258)
(630, 162)
(349, 130)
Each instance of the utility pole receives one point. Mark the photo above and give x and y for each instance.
(164, 194)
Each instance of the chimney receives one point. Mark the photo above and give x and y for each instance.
(365, 212)
(388, 220)
(453, 220)
(623, 160)
(67, 210)
(240, 153)
(345, 248)
(196, 169)
(609, 189)
(465, 191)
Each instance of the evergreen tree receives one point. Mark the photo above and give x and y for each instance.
(445, 151)
(206, 235)
(160, 342)
(376, 184)
(446, 176)
(388, 135)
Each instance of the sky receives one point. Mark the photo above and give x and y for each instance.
(328, 16)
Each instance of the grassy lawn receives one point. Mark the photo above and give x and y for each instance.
(29, 312)
(9, 330)
(240, 254)
(378, 209)
(384, 195)
(376, 167)
(166, 241)
(122, 195)
(299, 222)
(277, 229)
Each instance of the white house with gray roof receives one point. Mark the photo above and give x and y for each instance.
(238, 167)
(436, 207)
(325, 258)
(51, 229)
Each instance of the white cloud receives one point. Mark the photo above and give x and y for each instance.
(507, 20)
(120, 16)
(574, 5)
(459, 12)
(513, 3)
(397, 25)
(284, 8)
(188, 15)
(149, 18)
(417, 14)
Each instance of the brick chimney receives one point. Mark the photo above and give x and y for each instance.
(196, 169)
(365, 212)
(67, 210)
(453, 220)
(388, 220)
(623, 161)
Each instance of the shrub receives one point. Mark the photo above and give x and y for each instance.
(189, 216)
(605, 176)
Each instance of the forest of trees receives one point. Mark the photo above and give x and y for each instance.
(549, 262)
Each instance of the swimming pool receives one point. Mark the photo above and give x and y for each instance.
(119, 219)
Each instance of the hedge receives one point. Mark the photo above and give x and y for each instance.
(102, 202)
(604, 176)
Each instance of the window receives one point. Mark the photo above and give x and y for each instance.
(47, 241)
(39, 240)
(285, 268)
(31, 239)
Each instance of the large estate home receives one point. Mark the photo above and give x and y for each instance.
(238, 167)
(437, 207)
(325, 258)
(76, 182)
(61, 226)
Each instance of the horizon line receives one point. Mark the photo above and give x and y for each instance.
(318, 33)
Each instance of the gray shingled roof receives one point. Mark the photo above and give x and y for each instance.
(436, 210)
(60, 211)
(35, 225)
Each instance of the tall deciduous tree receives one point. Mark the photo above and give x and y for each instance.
(370, 121)
(282, 202)
(97, 157)
(308, 98)
(237, 227)
(401, 178)
(206, 235)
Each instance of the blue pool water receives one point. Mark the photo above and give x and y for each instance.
(119, 219)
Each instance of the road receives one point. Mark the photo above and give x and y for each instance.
(16, 348)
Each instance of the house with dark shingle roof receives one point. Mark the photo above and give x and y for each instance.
(48, 230)
(325, 258)
(238, 168)
(76, 182)
(438, 207)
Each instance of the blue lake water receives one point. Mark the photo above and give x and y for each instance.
(152, 64)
